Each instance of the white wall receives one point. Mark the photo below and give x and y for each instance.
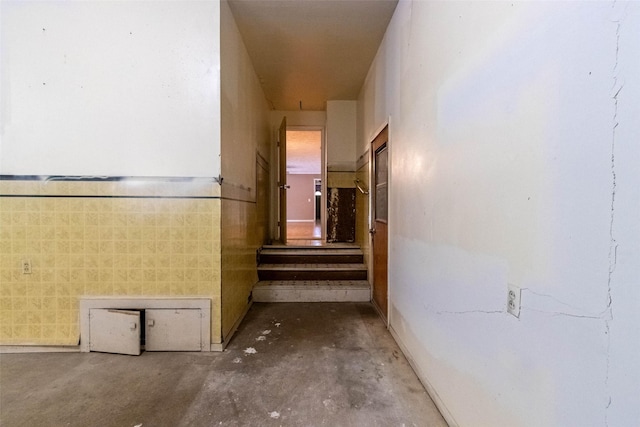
(298, 118)
(504, 119)
(110, 88)
(624, 373)
(341, 135)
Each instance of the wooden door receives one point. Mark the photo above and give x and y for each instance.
(379, 230)
(282, 180)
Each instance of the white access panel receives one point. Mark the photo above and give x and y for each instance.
(114, 331)
(173, 330)
(90, 303)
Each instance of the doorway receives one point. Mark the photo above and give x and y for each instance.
(305, 192)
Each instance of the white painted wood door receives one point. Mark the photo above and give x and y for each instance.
(114, 331)
(173, 330)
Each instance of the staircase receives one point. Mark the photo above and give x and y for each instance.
(332, 273)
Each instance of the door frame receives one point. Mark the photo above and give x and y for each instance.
(282, 181)
(323, 174)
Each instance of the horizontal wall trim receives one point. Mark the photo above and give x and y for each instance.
(339, 170)
(237, 200)
(98, 178)
(85, 196)
(28, 348)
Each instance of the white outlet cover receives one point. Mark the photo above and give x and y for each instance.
(513, 300)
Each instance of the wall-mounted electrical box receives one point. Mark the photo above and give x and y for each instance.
(513, 300)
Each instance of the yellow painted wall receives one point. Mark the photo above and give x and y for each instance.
(134, 237)
(239, 272)
(245, 148)
(340, 179)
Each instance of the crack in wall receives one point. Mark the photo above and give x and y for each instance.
(598, 315)
(428, 308)
(613, 244)
(529, 290)
(562, 313)
(472, 312)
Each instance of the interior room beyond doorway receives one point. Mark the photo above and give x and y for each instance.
(304, 176)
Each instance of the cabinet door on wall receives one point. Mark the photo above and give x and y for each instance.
(114, 331)
(173, 330)
(118, 331)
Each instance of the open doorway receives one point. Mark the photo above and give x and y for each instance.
(305, 192)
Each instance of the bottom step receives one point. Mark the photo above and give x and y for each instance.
(312, 291)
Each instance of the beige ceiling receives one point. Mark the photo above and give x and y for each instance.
(306, 52)
(304, 155)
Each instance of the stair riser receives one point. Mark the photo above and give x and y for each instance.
(293, 295)
(311, 259)
(313, 275)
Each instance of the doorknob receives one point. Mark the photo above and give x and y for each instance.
(285, 187)
(372, 231)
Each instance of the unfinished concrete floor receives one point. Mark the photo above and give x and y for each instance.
(290, 364)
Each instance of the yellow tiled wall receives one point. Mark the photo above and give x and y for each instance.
(133, 237)
(239, 271)
(340, 179)
(244, 221)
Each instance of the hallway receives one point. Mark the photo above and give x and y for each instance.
(330, 364)
(304, 233)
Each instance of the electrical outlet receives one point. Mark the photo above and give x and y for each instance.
(26, 266)
(513, 300)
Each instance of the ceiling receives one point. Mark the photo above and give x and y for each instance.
(306, 52)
